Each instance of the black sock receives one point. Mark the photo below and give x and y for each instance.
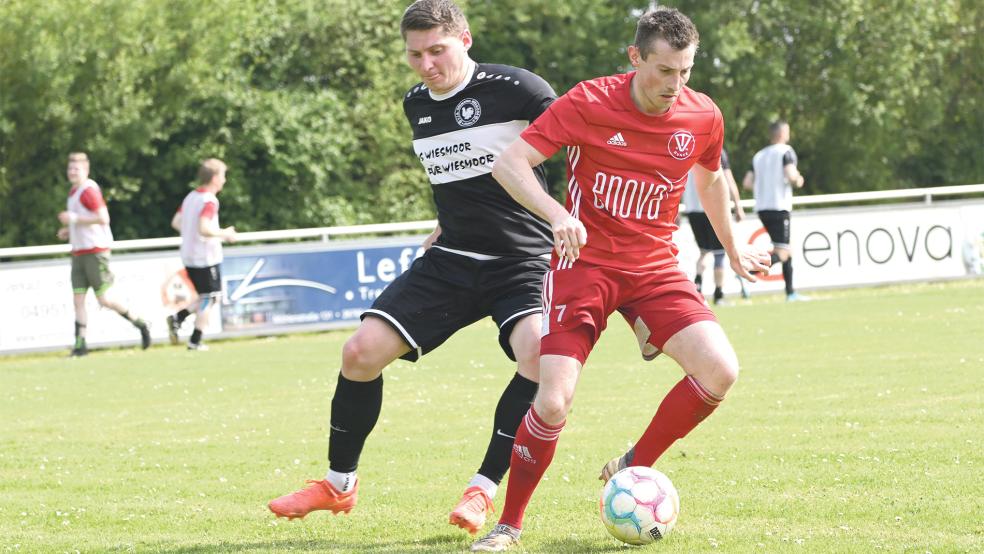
(718, 293)
(354, 411)
(787, 275)
(196, 336)
(699, 281)
(126, 315)
(181, 316)
(774, 258)
(79, 339)
(509, 413)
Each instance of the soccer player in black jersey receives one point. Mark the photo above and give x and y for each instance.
(487, 257)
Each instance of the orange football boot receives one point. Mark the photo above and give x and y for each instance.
(472, 509)
(318, 495)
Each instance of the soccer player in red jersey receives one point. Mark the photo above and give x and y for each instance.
(631, 139)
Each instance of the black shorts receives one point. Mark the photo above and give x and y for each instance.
(443, 292)
(704, 234)
(207, 280)
(777, 224)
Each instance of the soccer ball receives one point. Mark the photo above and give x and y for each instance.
(639, 505)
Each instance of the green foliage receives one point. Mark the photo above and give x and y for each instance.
(303, 97)
(878, 94)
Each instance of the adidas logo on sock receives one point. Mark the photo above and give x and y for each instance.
(524, 454)
(617, 140)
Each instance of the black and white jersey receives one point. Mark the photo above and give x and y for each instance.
(458, 136)
(772, 190)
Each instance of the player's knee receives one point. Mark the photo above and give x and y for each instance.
(358, 360)
(718, 260)
(719, 372)
(553, 408)
(528, 360)
(103, 301)
(729, 373)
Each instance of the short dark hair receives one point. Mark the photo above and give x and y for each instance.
(78, 157)
(210, 168)
(776, 126)
(668, 24)
(424, 15)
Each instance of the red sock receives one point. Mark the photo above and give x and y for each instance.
(683, 408)
(533, 450)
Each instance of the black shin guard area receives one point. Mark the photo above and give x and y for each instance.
(513, 405)
(354, 412)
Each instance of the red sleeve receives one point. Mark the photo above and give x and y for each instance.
(555, 128)
(711, 158)
(92, 199)
(210, 209)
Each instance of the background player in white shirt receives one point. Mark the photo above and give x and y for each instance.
(201, 248)
(772, 177)
(86, 226)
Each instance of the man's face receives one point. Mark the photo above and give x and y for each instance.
(77, 172)
(661, 75)
(219, 180)
(438, 58)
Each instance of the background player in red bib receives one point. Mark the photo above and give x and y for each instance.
(197, 219)
(86, 227)
(631, 140)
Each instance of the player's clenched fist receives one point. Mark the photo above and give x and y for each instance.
(569, 237)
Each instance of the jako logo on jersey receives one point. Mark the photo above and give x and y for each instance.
(423, 120)
(524, 454)
(628, 198)
(682, 145)
(617, 140)
(467, 112)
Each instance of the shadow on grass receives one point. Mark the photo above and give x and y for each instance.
(582, 546)
(437, 543)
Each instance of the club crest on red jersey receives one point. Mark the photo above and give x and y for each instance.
(682, 145)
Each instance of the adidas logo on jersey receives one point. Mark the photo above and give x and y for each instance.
(617, 140)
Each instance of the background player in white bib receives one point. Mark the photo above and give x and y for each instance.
(486, 258)
(772, 177)
(86, 226)
(201, 248)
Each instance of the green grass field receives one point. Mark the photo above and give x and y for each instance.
(857, 425)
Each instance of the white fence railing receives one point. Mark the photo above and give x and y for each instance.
(323, 233)
(327, 233)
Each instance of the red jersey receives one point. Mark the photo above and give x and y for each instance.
(626, 169)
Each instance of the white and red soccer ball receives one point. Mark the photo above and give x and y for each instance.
(639, 505)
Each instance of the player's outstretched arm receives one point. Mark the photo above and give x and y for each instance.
(514, 171)
(714, 196)
(729, 178)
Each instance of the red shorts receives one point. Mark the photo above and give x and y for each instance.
(577, 302)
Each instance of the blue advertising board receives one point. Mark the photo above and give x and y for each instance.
(325, 288)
